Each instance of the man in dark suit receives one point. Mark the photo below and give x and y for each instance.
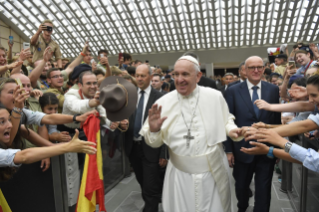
(157, 83)
(240, 100)
(146, 161)
(242, 74)
(207, 82)
(228, 78)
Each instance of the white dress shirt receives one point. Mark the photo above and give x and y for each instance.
(250, 89)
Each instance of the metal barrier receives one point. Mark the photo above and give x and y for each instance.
(301, 184)
(30, 189)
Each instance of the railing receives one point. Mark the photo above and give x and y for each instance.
(33, 190)
(301, 184)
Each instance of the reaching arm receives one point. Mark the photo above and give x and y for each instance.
(296, 128)
(300, 106)
(32, 155)
(4, 68)
(59, 61)
(283, 90)
(24, 54)
(56, 119)
(36, 72)
(19, 100)
(77, 60)
(35, 37)
(9, 57)
(263, 149)
(34, 137)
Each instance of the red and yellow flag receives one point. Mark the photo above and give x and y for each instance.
(4, 207)
(92, 186)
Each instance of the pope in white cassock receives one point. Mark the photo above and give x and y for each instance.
(193, 122)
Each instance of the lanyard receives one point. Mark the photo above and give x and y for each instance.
(80, 92)
(307, 67)
(45, 83)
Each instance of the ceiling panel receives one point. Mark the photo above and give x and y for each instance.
(154, 26)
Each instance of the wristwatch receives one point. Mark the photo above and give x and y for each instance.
(74, 118)
(270, 153)
(288, 146)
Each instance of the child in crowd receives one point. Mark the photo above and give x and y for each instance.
(49, 105)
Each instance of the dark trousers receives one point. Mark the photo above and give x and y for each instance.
(148, 176)
(263, 167)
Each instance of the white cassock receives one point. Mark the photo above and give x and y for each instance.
(197, 177)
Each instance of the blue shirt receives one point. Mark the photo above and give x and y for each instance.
(308, 157)
(7, 156)
(302, 69)
(314, 118)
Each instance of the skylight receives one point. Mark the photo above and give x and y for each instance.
(145, 26)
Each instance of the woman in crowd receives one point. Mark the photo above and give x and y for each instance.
(11, 155)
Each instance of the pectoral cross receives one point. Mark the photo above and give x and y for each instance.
(188, 138)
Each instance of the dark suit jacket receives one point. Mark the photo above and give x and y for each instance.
(164, 92)
(207, 82)
(151, 154)
(240, 105)
(233, 83)
(222, 89)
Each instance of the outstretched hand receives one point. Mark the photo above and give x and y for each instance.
(258, 149)
(235, 133)
(77, 145)
(270, 136)
(298, 92)
(154, 118)
(262, 104)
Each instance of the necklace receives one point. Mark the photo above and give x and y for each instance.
(189, 136)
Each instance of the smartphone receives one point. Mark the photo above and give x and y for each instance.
(26, 45)
(20, 84)
(11, 39)
(92, 61)
(101, 55)
(292, 63)
(120, 56)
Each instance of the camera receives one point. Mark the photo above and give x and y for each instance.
(49, 29)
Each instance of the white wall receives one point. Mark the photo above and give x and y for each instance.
(221, 58)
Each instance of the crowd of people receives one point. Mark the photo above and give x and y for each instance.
(187, 126)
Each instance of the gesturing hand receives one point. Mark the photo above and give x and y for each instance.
(154, 118)
(20, 96)
(14, 65)
(258, 149)
(77, 145)
(262, 104)
(85, 47)
(270, 136)
(298, 92)
(47, 54)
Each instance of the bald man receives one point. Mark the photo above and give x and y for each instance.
(147, 162)
(240, 99)
(197, 176)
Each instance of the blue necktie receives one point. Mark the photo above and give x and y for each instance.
(138, 116)
(255, 97)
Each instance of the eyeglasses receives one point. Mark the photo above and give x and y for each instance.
(91, 83)
(57, 76)
(253, 68)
